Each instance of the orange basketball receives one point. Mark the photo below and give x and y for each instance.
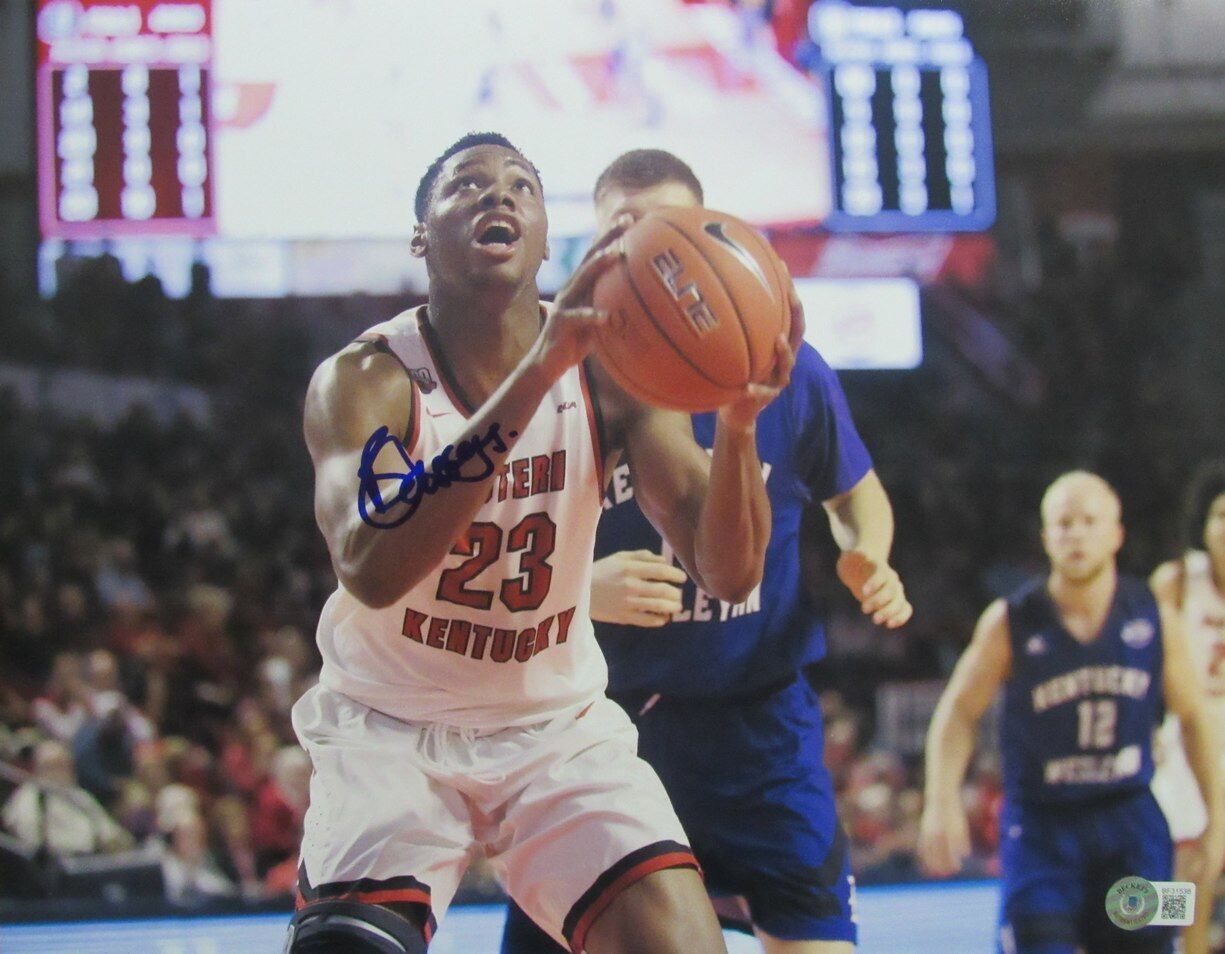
(694, 309)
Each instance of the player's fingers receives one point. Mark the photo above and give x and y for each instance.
(934, 856)
(939, 863)
(578, 288)
(587, 317)
(876, 583)
(896, 614)
(662, 571)
(881, 588)
(644, 619)
(761, 394)
(649, 589)
(940, 860)
(795, 334)
(611, 234)
(649, 604)
(884, 607)
(784, 362)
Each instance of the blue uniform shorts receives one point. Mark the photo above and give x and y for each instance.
(1058, 863)
(749, 784)
(748, 781)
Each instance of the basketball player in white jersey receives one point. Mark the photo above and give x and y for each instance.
(1196, 584)
(460, 450)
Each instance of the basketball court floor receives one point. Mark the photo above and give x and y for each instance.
(920, 919)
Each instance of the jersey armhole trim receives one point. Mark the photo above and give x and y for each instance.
(595, 421)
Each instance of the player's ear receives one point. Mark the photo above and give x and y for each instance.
(417, 244)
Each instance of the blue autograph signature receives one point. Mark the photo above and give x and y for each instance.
(415, 482)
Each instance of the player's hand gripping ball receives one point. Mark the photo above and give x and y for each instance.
(694, 309)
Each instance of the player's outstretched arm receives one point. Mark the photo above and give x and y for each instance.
(712, 509)
(733, 526)
(944, 835)
(1184, 696)
(861, 521)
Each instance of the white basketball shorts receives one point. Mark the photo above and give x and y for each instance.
(566, 812)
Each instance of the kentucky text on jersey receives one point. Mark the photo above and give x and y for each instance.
(1091, 680)
(466, 638)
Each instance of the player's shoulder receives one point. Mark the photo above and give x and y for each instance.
(362, 364)
(810, 364)
(360, 382)
(1029, 591)
(813, 383)
(994, 618)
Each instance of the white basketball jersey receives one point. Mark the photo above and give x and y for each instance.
(1204, 618)
(1203, 615)
(500, 633)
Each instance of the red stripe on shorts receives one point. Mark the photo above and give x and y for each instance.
(673, 859)
(373, 894)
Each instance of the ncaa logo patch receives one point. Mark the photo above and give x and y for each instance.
(1138, 633)
(1035, 645)
(424, 380)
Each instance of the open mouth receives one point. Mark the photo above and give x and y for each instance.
(497, 235)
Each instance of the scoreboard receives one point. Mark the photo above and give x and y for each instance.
(124, 118)
(909, 123)
(279, 142)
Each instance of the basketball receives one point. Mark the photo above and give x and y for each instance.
(694, 307)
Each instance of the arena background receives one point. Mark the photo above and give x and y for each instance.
(199, 201)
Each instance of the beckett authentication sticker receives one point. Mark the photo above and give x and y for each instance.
(1134, 902)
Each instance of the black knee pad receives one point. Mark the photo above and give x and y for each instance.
(350, 927)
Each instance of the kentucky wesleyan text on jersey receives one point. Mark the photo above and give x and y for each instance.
(1079, 717)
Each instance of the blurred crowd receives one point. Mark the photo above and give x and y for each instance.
(157, 587)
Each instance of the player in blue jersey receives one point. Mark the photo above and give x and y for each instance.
(723, 712)
(1088, 661)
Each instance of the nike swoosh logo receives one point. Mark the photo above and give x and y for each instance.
(436, 413)
(715, 231)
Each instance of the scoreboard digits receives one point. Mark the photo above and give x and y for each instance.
(123, 117)
(910, 134)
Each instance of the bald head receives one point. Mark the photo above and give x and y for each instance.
(1082, 527)
(1080, 486)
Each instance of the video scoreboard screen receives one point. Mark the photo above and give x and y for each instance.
(909, 121)
(124, 104)
(312, 120)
